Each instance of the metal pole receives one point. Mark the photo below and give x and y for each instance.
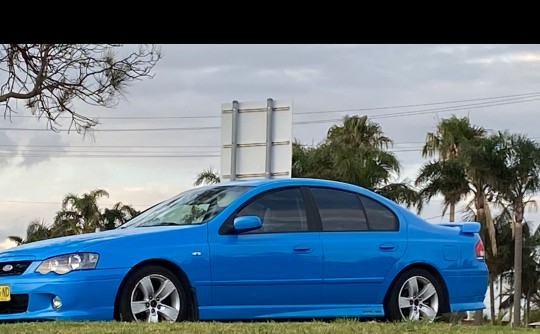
(269, 112)
(234, 139)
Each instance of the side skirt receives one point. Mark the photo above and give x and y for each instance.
(288, 311)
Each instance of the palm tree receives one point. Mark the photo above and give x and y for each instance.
(36, 231)
(79, 214)
(530, 269)
(446, 177)
(16, 239)
(502, 264)
(499, 265)
(116, 216)
(520, 182)
(465, 156)
(302, 159)
(356, 152)
(66, 223)
(401, 192)
(207, 176)
(310, 161)
(485, 169)
(450, 135)
(359, 132)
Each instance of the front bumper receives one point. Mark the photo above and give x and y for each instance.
(85, 294)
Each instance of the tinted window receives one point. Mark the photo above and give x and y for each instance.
(280, 211)
(339, 210)
(379, 216)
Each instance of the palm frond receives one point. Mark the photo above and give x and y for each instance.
(207, 176)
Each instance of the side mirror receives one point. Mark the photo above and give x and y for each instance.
(247, 223)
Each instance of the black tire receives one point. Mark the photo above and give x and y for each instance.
(420, 308)
(156, 308)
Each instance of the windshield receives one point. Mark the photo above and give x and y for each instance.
(194, 206)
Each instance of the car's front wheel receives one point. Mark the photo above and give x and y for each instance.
(152, 294)
(415, 295)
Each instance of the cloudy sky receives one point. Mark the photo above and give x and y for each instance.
(405, 88)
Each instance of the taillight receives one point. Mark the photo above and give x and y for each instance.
(479, 249)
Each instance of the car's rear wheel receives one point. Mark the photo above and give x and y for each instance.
(152, 294)
(415, 295)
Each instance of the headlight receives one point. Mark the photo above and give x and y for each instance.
(63, 264)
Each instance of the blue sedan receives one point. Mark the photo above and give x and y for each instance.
(289, 248)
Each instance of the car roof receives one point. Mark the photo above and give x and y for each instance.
(271, 183)
(284, 181)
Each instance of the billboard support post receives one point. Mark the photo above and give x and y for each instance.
(234, 139)
(269, 111)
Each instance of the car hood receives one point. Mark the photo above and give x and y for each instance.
(41, 250)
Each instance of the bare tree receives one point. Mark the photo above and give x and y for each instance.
(50, 78)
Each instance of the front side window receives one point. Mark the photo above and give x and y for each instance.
(194, 206)
(279, 211)
(339, 210)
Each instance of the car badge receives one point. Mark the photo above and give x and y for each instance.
(7, 267)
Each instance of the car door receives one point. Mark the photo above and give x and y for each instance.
(361, 239)
(277, 265)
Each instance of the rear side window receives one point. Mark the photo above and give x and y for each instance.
(339, 210)
(380, 217)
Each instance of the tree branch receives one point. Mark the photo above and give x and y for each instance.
(51, 77)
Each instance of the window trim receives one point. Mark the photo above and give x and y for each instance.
(226, 227)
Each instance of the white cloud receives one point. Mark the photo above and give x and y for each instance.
(452, 49)
(7, 147)
(295, 74)
(508, 58)
(6, 244)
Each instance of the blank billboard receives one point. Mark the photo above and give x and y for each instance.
(251, 140)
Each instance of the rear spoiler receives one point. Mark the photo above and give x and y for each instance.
(465, 227)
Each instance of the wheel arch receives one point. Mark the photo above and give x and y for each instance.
(193, 313)
(432, 270)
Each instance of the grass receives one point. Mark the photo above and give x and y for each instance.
(340, 326)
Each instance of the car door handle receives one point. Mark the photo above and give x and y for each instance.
(387, 247)
(303, 248)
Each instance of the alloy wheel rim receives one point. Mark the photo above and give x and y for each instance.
(418, 299)
(155, 298)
